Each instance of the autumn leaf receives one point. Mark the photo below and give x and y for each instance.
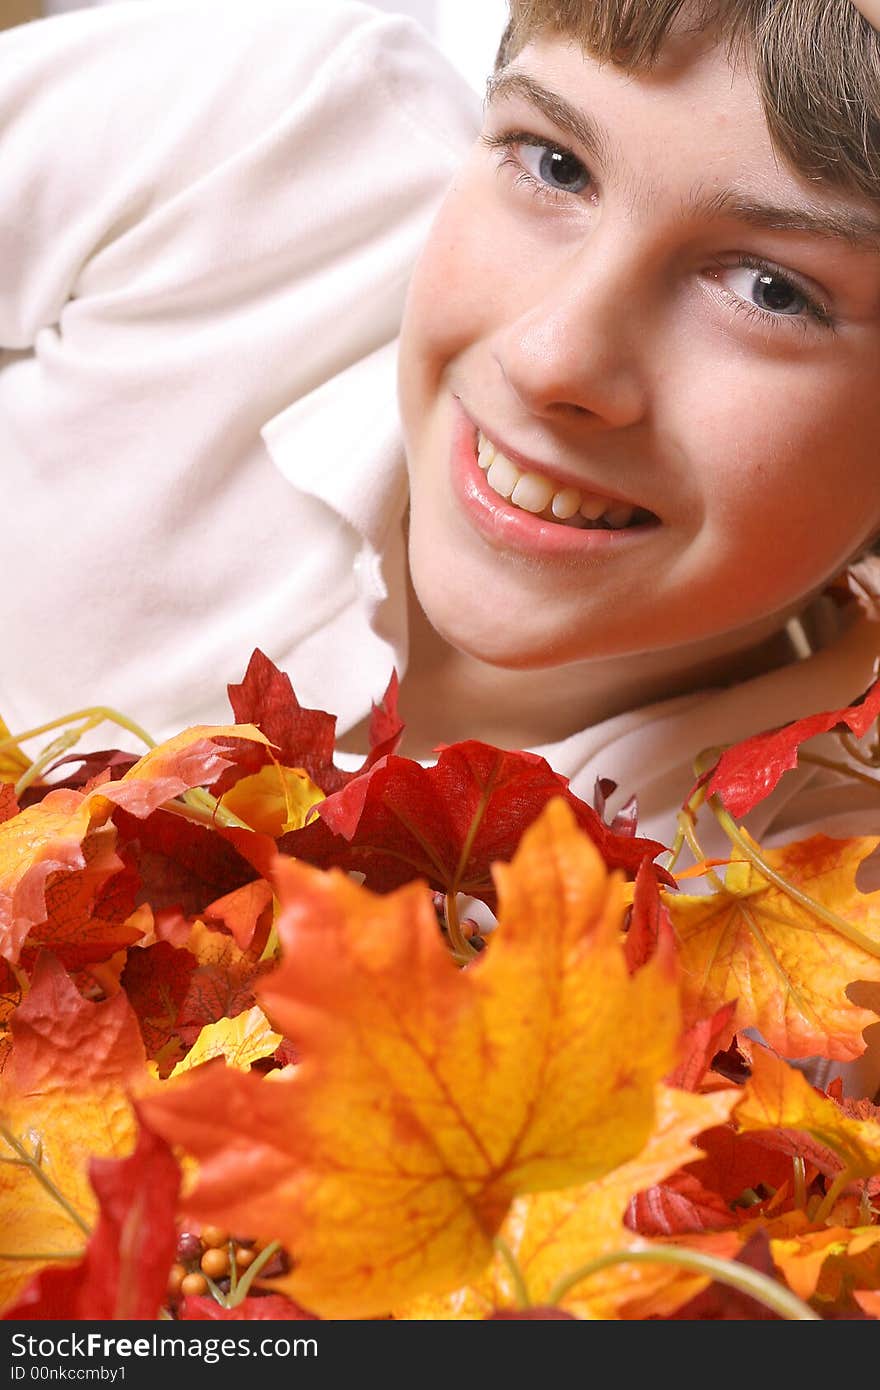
(240, 1041)
(124, 1274)
(824, 1260)
(243, 911)
(304, 738)
(221, 986)
(702, 1041)
(747, 772)
(62, 834)
(156, 980)
(184, 868)
(449, 823)
(787, 969)
(63, 1102)
(268, 1308)
(274, 800)
(554, 1234)
(778, 1098)
(428, 1097)
(720, 1303)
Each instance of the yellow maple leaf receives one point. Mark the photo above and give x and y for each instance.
(553, 1234)
(427, 1098)
(240, 1041)
(274, 800)
(787, 969)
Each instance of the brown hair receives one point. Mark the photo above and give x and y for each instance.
(816, 63)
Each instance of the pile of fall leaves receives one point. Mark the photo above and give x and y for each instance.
(257, 1061)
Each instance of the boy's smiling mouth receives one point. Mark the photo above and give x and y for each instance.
(534, 491)
(516, 505)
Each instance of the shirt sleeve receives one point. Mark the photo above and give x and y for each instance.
(210, 212)
(108, 114)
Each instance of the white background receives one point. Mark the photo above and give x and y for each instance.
(468, 31)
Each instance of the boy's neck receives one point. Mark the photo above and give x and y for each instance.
(447, 695)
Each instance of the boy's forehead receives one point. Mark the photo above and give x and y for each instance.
(559, 77)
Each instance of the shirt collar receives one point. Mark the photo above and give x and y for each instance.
(342, 444)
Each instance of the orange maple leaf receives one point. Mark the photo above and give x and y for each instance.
(427, 1097)
(779, 1097)
(553, 1234)
(787, 969)
(823, 1260)
(63, 1101)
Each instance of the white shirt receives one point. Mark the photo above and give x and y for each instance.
(210, 215)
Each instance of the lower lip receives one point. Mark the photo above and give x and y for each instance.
(510, 527)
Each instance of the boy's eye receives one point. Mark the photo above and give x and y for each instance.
(555, 166)
(766, 290)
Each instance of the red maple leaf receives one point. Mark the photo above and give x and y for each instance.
(448, 823)
(268, 1308)
(678, 1206)
(156, 980)
(124, 1273)
(747, 772)
(303, 738)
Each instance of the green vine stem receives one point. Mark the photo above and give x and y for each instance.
(244, 1283)
(736, 1276)
(520, 1288)
(97, 714)
(696, 849)
(845, 929)
(43, 1178)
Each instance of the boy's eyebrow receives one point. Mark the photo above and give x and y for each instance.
(511, 82)
(857, 229)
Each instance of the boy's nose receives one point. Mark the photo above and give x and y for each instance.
(580, 343)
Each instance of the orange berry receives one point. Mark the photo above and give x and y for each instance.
(193, 1284)
(244, 1256)
(214, 1236)
(215, 1262)
(176, 1276)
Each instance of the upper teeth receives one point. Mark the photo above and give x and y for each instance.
(535, 493)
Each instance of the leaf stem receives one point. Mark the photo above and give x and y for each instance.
(736, 1276)
(517, 1277)
(845, 929)
(826, 1206)
(800, 1181)
(843, 768)
(43, 1178)
(697, 850)
(98, 712)
(461, 947)
(250, 1274)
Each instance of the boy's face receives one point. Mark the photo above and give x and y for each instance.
(638, 321)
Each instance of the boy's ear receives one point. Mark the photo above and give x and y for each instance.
(870, 9)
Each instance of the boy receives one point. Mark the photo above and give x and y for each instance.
(637, 376)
